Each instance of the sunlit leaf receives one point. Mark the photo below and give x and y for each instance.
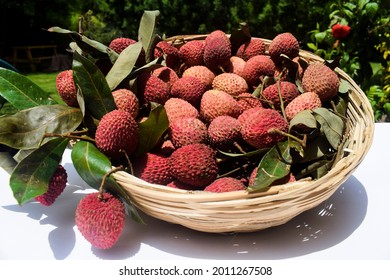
(152, 129)
(147, 33)
(331, 124)
(25, 129)
(32, 175)
(21, 92)
(92, 165)
(124, 65)
(94, 88)
(274, 165)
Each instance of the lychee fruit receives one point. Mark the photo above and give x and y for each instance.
(187, 130)
(247, 114)
(190, 89)
(166, 74)
(216, 103)
(235, 65)
(176, 108)
(217, 50)
(176, 184)
(223, 131)
(126, 100)
(194, 164)
(256, 68)
(66, 88)
(153, 168)
(288, 92)
(191, 53)
(121, 43)
(260, 129)
(225, 184)
(172, 58)
(100, 219)
(306, 101)
(322, 80)
(56, 186)
(230, 83)
(202, 73)
(255, 46)
(283, 43)
(247, 100)
(116, 133)
(152, 89)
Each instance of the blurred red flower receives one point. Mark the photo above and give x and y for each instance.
(340, 31)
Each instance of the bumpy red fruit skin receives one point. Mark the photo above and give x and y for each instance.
(257, 67)
(167, 74)
(246, 101)
(191, 53)
(201, 72)
(230, 83)
(172, 54)
(194, 164)
(223, 131)
(177, 108)
(121, 43)
(217, 50)
(187, 130)
(216, 103)
(56, 186)
(225, 184)
(66, 87)
(190, 89)
(152, 89)
(235, 65)
(126, 100)
(117, 131)
(322, 80)
(153, 168)
(306, 101)
(288, 92)
(255, 46)
(100, 221)
(284, 43)
(258, 132)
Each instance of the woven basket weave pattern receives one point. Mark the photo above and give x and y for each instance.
(240, 211)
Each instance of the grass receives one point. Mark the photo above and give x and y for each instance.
(46, 81)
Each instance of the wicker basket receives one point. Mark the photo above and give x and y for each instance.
(240, 211)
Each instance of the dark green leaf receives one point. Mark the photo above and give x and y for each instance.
(94, 88)
(124, 65)
(147, 33)
(32, 175)
(240, 36)
(25, 129)
(331, 124)
(304, 123)
(92, 165)
(152, 129)
(21, 92)
(344, 86)
(341, 103)
(317, 148)
(274, 165)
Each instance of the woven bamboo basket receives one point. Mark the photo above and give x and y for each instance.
(240, 211)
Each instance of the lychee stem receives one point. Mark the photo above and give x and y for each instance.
(302, 142)
(115, 169)
(129, 162)
(71, 135)
(238, 146)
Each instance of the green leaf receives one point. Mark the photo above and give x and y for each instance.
(25, 129)
(32, 175)
(147, 33)
(92, 165)
(152, 129)
(372, 9)
(124, 65)
(92, 47)
(331, 124)
(362, 3)
(320, 36)
(94, 88)
(344, 86)
(274, 165)
(21, 92)
(312, 46)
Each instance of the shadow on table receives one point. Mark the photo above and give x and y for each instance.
(317, 229)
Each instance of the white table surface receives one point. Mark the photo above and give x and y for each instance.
(353, 224)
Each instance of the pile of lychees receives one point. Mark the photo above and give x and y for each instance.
(219, 101)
